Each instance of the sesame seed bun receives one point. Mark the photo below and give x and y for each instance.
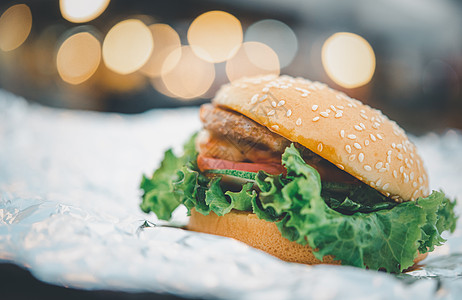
(355, 137)
(248, 228)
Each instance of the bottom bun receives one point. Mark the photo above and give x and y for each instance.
(248, 228)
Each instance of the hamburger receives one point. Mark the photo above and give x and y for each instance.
(304, 173)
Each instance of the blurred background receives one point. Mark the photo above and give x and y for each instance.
(404, 57)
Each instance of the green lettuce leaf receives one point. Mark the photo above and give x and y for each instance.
(356, 225)
(386, 239)
(158, 196)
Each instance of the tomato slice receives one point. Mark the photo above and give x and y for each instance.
(208, 163)
(327, 171)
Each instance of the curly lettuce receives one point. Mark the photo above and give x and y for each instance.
(360, 228)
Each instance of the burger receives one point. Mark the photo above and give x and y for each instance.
(306, 174)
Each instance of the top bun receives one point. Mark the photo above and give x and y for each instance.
(355, 137)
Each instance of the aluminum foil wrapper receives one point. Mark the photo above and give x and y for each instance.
(69, 212)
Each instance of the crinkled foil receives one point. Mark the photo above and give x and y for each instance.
(69, 213)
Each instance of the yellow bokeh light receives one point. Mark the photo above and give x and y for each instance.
(166, 39)
(78, 57)
(190, 77)
(15, 26)
(80, 11)
(215, 36)
(127, 46)
(252, 59)
(348, 59)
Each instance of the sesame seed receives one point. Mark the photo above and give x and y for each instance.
(373, 137)
(400, 156)
(414, 184)
(351, 136)
(401, 169)
(382, 170)
(363, 111)
(420, 180)
(263, 97)
(315, 119)
(299, 122)
(389, 159)
(359, 128)
(314, 107)
(328, 110)
(361, 157)
(271, 112)
(378, 165)
(265, 89)
(352, 157)
(385, 186)
(393, 145)
(302, 90)
(411, 175)
(406, 178)
(289, 112)
(363, 116)
(281, 103)
(367, 168)
(399, 146)
(372, 184)
(333, 108)
(340, 107)
(350, 105)
(273, 103)
(366, 142)
(379, 136)
(348, 148)
(338, 114)
(254, 99)
(378, 182)
(341, 167)
(320, 147)
(342, 133)
(275, 127)
(395, 174)
(362, 125)
(415, 193)
(304, 94)
(389, 152)
(324, 114)
(357, 146)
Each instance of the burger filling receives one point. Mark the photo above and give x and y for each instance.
(237, 164)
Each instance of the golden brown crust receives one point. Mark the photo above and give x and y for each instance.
(351, 135)
(248, 228)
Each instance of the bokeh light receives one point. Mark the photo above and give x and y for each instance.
(166, 39)
(15, 26)
(159, 85)
(78, 57)
(190, 77)
(252, 59)
(276, 34)
(348, 59)
(215, 36)
(80, 11)
(127, 46)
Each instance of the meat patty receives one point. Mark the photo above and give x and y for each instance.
(244, 133)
